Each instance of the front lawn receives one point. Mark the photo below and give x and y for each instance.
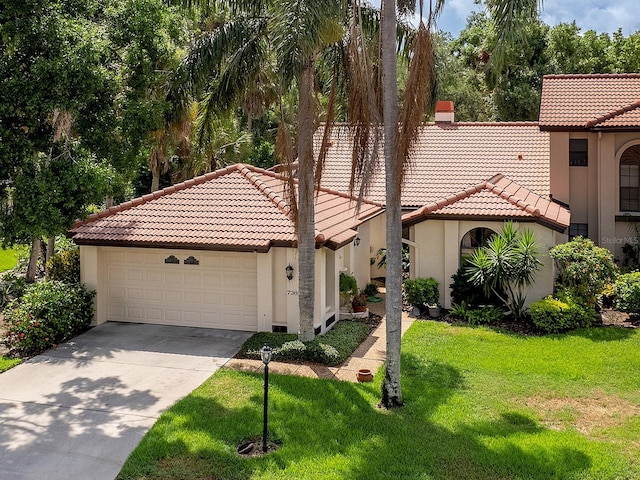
(8, 259)
(7, 363)
(480, 404)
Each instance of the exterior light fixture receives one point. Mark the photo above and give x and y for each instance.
(265, 355)
(356, 241)
(289, 272)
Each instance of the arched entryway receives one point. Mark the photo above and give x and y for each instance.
(474, 238)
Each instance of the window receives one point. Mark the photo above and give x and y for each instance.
(578, 152)
(630, 179)
(578, 229)
(478, 237)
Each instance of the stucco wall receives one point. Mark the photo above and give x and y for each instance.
(439, 253)
(378, 240)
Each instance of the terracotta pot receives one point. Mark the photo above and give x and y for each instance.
(364, 375)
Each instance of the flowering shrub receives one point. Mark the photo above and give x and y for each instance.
(48, 313)
(422, 292)
(584, 268)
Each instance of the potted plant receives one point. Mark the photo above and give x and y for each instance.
(359, 303)
(423, 294)
(348, 288)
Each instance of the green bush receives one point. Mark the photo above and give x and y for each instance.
(584, 268)
(422, 292)
(477, 316)
(370, 290)
(332, 348)
(627, 292)
(556, 315)
(348, 284)
(48, 313)
(12, 286)
(65, 266)
(463, 290)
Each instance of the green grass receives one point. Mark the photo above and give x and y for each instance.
(8, 259)
(480, 404)
(7, 363)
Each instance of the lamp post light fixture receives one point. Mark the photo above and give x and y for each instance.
(356, 241)
(265, 354)
(289, 271)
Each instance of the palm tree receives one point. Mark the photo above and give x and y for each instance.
(400, 133)
(286, 38)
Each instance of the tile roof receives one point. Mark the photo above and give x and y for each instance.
(448, 157)
(496, 198)
(239, 208)
(584, 102)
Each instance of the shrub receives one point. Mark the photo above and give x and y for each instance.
(370, 290)
(477, 316)
(422, 292)
(556, 315)
(627, 292)
(584, 268)
(332, 348)
(48, 313)
(12, 286)
(65, 266)
(348, 284)
(463, 290)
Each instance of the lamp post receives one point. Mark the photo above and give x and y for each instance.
(265, 354)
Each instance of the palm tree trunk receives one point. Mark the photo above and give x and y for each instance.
(391, 388)
(155, 180)
(306, 214)
(32, 268)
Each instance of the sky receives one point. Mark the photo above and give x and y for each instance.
(603, 16)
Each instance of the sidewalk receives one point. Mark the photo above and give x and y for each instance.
(370, 354)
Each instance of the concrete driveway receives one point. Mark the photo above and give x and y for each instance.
(76, 412)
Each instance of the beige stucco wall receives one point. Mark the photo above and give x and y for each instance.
(593, 192)
(378, 240)
(439, 253)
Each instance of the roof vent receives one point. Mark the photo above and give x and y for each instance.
(444, 111)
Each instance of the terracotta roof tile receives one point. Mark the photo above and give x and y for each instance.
(582, 102)
(237, 208)
(498, 197)
(450, 157)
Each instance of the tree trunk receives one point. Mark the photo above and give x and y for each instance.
(51, 247)
(306, 214)
(391, 388)
(108, 201)
(32, 268)
(155, 180)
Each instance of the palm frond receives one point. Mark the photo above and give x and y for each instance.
(419, 95)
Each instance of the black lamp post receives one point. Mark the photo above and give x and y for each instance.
(265, 354)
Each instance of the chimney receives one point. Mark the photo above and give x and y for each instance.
(444, 111)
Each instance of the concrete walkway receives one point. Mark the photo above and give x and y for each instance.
(370, 354)
(76, 412)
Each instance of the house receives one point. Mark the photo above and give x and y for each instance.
(213, 251)
(465, 180)
(593, 123)
(219, 251)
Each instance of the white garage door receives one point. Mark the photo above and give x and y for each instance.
(182, 287)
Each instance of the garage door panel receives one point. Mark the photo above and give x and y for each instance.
(219, 292)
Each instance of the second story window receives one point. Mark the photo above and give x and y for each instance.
(630, 180)
(578, 152)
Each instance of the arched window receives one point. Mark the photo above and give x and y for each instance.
(630, 179)
(477, 237)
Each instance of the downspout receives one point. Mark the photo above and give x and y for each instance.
(417, 255)
(599, 189)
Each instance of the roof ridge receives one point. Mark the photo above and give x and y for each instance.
(511, 198)
(251, 173)
(157, 194)
(613, 114)
(593, 75)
